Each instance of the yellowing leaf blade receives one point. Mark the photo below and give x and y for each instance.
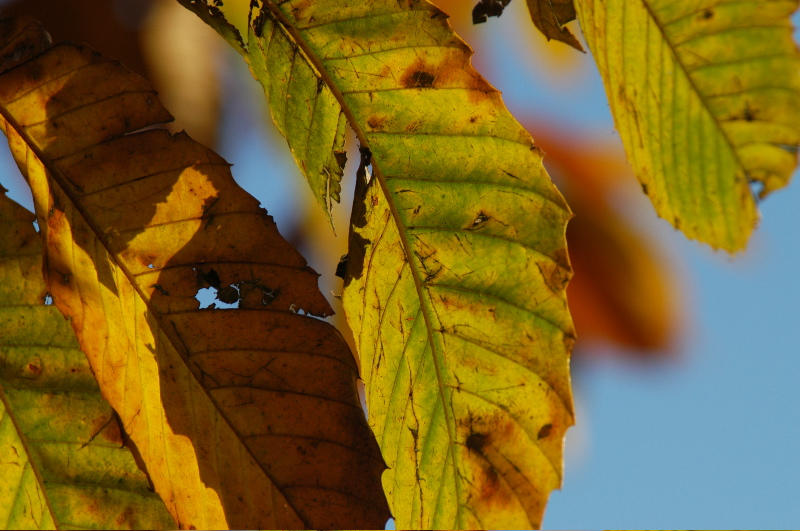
(245, 417)
(62, 459)
(706, 97)
(457, 262)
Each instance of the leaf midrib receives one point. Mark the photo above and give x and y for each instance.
(279, 17)
(23, 440)
(59, 180)
(695, 89)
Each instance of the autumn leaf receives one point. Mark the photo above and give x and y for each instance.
(623, 291)
(63, 462)
(706, 97)
(303, 108)
(457, 264)
(550, 16)
(245, 417)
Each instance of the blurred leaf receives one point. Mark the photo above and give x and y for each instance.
(154, 38)
(457, 265)
(245, 417)
(622, 292)
(62, 459)
(550, 16)
(706, 97)
(532, 51)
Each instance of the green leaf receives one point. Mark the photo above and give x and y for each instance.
(706, 97)
(303, 108)
(62, 459)
(457, 263)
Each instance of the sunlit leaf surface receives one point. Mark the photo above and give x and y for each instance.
(706, 97)
(245, 417)
(457, 265)
(62, 460)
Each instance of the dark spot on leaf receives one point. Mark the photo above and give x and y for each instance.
(211, 278)
(32, 370)
(479, 221)
(376, 122)
(476, 442)
(420, 79)
(161, 289)
(228, 294)
(644, 189)
(708, 14)
(544, 431)
(258, 23)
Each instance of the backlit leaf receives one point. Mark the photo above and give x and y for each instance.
(62, 459)
(706, 97)
(245, 417)
(303, 107)
(457, 264)
(550, 16)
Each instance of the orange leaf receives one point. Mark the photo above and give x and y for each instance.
(244, 417)
(621, 291)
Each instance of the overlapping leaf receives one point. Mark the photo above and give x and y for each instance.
(457, 263)
(302, 106)
(62, 461)
(706, 97)
(245, 417)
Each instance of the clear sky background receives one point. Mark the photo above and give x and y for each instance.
(706, 439)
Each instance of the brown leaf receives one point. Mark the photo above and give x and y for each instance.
(550, 16)
(245, 417)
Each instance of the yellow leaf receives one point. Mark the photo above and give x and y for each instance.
(457, 264)
(706, 98)
(62, 459)
(245, 417)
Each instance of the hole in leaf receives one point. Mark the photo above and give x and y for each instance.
(47, 299)
(211, 298)
(206, 297)
(150, 266)
(757, 187)
(36, 225)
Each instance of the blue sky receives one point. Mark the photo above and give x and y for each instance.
(706, 440)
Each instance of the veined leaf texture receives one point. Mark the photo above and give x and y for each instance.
(457, 265)
(706, 97)
(64, 465)
(246, 417)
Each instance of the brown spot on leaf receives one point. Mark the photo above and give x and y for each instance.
(480, 220)
(420, 79)
(476, 441)
(544, 431)
(376, 122)
(708, 14)
(33, 370)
